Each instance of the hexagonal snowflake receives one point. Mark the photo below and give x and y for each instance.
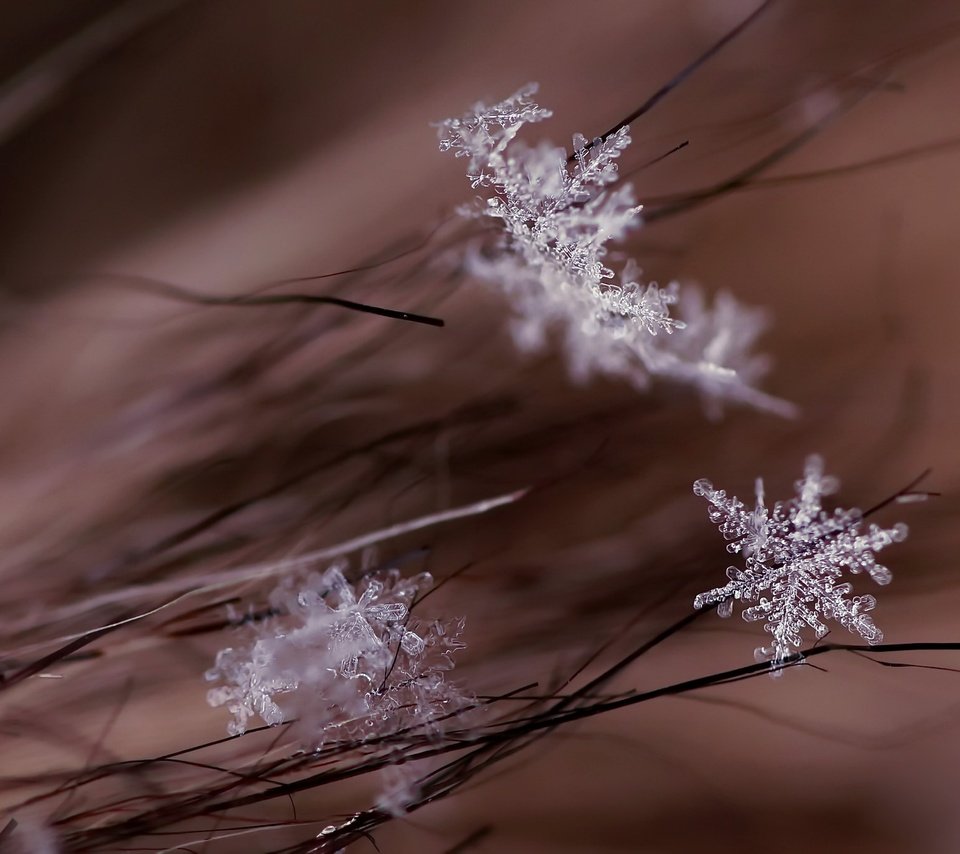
(797, 553)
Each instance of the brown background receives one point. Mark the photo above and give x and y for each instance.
(223, 145)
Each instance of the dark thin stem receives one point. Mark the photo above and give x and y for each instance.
(470, 841)
(907, 490)
(684, 202)
(775, 181)
(675, 81)
(891, 159)
(167, 289)
(664, 156)
(484, 748)
(54, 657)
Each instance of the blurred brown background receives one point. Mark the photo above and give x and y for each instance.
(225, 145)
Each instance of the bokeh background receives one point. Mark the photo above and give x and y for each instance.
(225, 145)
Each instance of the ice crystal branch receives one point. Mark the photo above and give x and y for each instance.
(715, 353)
(557, 217)
(345, 661)
(797, 553)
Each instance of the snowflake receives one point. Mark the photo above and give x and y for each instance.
(558, 214)
(797, 553)
(557, 219)
(342, 658)
(553, 215)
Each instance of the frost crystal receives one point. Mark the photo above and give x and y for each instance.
(344, 660)
(797, 553)
(557, 215)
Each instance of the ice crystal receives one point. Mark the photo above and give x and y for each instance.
(797, 553)
(343, 660)
(557, 216)
(715, 352)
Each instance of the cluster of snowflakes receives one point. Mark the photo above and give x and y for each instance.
(797, 554)
(344, 660)
(557, 216)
